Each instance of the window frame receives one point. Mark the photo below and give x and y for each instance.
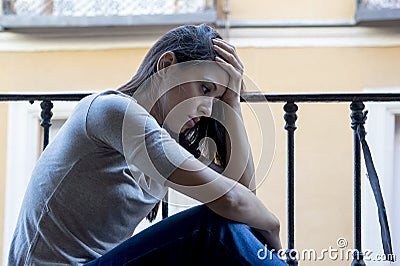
(382, 144)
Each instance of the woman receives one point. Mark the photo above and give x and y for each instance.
(110, 165)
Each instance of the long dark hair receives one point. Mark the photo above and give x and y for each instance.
(188, 43)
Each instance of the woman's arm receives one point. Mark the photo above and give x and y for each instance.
(225, 197)
(238, 147)
(239, 150)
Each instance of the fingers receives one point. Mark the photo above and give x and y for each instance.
(228, 60)
(228, 52)
(234, 85)
(227, 67)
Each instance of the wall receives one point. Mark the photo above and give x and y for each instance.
(286, 10)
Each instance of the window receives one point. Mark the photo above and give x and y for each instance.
(84, 13)
(378, 10)
(396, 197)
(383, 128)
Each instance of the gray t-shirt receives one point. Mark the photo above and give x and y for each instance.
(92, 185)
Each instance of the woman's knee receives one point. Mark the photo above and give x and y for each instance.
(213, 221)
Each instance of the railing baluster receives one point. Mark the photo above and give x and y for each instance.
(46, 115)
(164, 206)
(290, 118)
(356, 119)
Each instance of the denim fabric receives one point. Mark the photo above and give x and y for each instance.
(194, 237)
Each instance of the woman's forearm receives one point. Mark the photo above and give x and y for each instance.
(238, 149)
(246, 208)
(225, 197)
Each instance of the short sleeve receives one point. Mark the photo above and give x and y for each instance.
(150, 147)
(104, 120)
(119, 122)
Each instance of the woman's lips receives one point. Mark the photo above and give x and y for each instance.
(193, 121)
(196, 119)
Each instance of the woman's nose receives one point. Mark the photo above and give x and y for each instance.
(205, 107)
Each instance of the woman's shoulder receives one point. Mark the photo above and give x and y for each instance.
(113, 105)
(111, 100)
(113, 95)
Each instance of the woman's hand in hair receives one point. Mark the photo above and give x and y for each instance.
(229, 60)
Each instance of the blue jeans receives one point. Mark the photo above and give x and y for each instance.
(193, 237)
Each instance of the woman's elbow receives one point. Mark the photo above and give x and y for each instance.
(274, 224)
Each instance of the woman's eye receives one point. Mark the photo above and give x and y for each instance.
(205, 89)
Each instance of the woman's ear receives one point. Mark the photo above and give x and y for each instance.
(165, 60)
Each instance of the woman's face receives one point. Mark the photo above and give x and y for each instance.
(184, 105)
(187, 91)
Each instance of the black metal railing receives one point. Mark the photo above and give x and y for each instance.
(290, 107)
